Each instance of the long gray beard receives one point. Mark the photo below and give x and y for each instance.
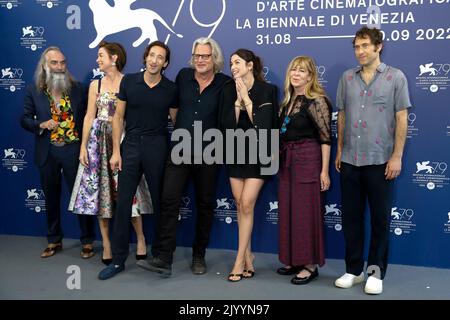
(57, 81)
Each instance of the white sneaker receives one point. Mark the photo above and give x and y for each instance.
(348, 280)
(373, 285)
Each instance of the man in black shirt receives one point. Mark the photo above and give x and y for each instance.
(199, 90)
(147, 97)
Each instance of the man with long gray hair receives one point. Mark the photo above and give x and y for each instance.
(54, 109)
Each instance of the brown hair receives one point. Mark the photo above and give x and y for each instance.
(158, 44)
(114, 48)
(374, 34)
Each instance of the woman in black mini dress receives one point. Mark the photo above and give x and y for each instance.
(248, 108)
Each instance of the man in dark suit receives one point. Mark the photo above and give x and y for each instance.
(54, 110)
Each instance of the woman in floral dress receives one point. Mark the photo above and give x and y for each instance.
(95, 189)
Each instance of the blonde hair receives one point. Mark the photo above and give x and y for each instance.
(313, 88)
(216, 53)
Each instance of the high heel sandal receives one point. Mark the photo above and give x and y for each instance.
(232, 275)
(251, 274)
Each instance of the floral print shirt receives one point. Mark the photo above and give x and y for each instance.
(62, 113)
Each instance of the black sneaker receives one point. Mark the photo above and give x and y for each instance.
(156, 265)
(198, 265)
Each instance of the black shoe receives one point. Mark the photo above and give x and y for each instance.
(156, 265)
(289, 271)
(248, 274)
(107, 262)
(141, 256)
(239, 277)
(313, 274)
(198, 265)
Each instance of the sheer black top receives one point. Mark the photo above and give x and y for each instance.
(308, 119)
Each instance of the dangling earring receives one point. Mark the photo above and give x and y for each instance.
(113, 63)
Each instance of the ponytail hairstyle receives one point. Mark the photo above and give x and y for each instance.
(249, 56)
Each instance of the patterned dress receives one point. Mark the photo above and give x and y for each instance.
(95, 188)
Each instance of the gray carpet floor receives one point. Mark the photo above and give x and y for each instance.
(24, 275)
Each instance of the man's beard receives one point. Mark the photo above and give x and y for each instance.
(57, 81)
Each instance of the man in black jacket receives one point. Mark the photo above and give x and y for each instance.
(54, 110)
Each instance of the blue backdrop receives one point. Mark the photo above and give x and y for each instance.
(417, 40)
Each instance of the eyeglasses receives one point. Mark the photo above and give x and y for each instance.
(284, 125)
(203, 56)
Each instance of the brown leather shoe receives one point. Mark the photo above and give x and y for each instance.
(87, 251)
(51, 249)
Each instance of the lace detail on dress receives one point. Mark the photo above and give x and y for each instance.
(298, 103)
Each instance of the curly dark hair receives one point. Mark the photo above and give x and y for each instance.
(375, 35)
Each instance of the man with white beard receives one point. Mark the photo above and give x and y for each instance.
(54, 109)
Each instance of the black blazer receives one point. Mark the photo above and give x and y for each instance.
(264, 97)
(37, 110)
(265, 105)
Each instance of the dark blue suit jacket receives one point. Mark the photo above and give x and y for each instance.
(37, 110)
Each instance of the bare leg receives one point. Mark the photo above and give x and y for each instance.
(249, 258)
(104, 230)
(237, 186)
(141, 247)
(249, 190)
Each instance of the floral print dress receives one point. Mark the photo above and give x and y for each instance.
(95, 188)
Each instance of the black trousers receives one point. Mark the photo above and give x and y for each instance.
(140, 155)
(62, 161)
(175, 180)
(357, 185)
